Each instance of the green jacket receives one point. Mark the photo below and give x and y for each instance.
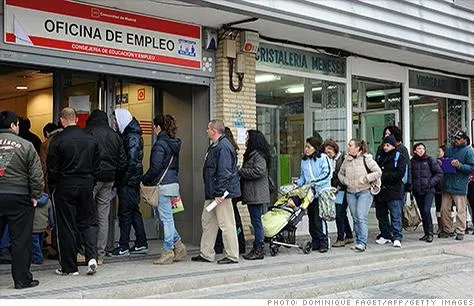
(20, 167)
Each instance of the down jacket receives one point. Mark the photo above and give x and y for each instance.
(133, 146)
(354, 175)
(392, 176)
(426, 173)
(254, 180)
(112, 154)
(163, 149)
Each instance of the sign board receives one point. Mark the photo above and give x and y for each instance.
(84, 28)
(438, 83)
(296, 59)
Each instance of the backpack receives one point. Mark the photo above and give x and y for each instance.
(411, 215)
(395, 162)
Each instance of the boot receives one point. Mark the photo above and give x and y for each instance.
(255, 253)
(179, 251)
(166, 258)
(429, 237)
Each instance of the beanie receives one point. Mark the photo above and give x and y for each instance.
(390, 140)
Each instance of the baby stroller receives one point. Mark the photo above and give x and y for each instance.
(280, 222)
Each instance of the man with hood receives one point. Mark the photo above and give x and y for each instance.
(112, 163)
(455, 186)
(128, 189)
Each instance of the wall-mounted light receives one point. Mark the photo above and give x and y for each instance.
(22, 87)
(300, 89)
(266, 77)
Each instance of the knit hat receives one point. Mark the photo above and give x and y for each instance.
(390, 140)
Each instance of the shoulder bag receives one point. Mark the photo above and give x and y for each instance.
(149, 194)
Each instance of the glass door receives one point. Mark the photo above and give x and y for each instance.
(269, 124)
(372, 125)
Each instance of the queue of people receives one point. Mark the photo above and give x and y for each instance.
(67, 183)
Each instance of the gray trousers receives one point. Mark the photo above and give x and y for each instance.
(102, 197)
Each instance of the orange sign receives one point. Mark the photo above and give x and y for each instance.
(141, 94)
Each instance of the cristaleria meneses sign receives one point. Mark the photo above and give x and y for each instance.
(84, 28)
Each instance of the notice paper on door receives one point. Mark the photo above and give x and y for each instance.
(241, 135)
(81, 104)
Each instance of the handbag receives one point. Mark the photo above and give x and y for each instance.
(327, 205)
(411, 214)
(149, 194)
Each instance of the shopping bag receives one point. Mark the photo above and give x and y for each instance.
(176, 205)
(411, 214)
(149, 195)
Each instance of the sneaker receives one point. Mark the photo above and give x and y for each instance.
(92, 267)
(349, 240)
(459, 236)
(358, 248)
(338, 244)
(382, 240)
(139, 250)
(120, 252)
(397, 244)
(59, 271)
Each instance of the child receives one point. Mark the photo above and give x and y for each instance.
(39, 226)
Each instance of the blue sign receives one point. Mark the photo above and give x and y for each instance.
(295, 59)
(187, 47)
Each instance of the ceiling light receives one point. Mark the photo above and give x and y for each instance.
(375, 93)
(435, 110)
(22, 87)
(266, 77)
(300, 89)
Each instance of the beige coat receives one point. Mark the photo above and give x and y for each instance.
(354, 175)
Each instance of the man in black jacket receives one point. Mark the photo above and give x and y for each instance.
(220, 174)
(73, 166)
(129, 186)
(112, 163)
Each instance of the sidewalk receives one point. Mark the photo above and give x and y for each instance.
(136, 276)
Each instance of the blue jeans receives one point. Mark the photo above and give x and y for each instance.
(391, 229)
(255, 211)
(164, 214)
(425, 202)
(359, 204)
(37, 248)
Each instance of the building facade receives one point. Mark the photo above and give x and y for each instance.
(332, 69)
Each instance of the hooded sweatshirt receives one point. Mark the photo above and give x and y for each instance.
(123, 117)
(131, 133)
(163, 149)
(112, 154)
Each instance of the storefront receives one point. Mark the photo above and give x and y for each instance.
(429, 107)
(60, 53)
(299, 93)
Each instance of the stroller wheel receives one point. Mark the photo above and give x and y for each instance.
(307, 247)
(274, 250)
